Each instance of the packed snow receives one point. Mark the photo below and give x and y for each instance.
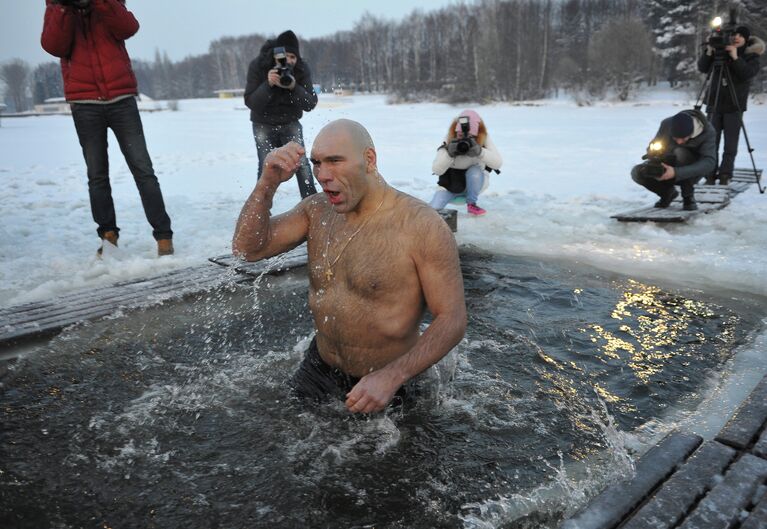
(566, 170)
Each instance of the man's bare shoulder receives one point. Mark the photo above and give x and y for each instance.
(421, 219)
(314, 206)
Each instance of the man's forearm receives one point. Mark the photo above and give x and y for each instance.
(253, 227)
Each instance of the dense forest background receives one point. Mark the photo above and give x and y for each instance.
(486, 50)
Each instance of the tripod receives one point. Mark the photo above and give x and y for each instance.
(719, 70)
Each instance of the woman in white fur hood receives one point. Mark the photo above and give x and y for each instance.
(464, 161)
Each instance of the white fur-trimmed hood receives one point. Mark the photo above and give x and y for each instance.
(755, 45)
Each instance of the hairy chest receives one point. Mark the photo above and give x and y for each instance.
(376, 262)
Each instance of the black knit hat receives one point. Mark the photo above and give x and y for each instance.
(681, 125)
(744, 32)
(289, 41)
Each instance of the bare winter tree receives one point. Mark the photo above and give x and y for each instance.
(481, 50)
(15, 75)
(620, 54)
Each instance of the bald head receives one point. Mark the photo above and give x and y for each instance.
(348, 130)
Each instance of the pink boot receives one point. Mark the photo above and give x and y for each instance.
(475, 210)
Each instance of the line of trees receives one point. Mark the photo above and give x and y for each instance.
(504, 50)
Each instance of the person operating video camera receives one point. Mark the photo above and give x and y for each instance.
(278, 91)
(463, 162)
(682, 152)
(740, 56)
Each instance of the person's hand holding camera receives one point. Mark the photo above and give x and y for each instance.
(475, 149)
(464, 147)
(732, 50)
(668, 174)
(274, 79)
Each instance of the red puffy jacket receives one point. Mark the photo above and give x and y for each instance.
(91, 44)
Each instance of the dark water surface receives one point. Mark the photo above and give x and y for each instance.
(179, 416)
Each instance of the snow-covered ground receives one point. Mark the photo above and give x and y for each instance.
(566, 170)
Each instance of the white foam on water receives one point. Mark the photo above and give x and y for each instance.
(570, 487)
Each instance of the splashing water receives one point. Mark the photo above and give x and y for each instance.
(180, 415)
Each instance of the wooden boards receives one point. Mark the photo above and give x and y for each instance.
(709, 197)
(680, 485)
(44, 318)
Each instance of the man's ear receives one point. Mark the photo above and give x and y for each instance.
(371, 160)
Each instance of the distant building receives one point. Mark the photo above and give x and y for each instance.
(53, 105)
(229, 93)
(342, 91)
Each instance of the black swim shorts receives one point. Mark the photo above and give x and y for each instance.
(317, 380)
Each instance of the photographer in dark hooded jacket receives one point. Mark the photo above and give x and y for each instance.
(279, 90)
(726, 114)
(687, 139)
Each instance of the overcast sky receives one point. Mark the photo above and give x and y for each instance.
(186, 27)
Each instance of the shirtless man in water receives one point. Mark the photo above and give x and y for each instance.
(377, 259)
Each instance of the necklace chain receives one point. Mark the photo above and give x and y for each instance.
(328, 265)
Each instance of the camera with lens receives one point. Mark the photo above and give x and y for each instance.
(465, 145)
(284, 70)
(656, 156)
(722, 33)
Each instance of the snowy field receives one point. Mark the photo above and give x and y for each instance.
(566, 170)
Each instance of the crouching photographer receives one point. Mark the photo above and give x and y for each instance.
(463, 162)
(682, 152)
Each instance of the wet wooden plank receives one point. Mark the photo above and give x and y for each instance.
(704, 194)
(106, 296)
(757, 518)
(136, 284)
(618, 501)
(722, 506)
(669, 505)
(64, 311)
(673, 213)
(747, 422)
(745, 174)
(760, 449)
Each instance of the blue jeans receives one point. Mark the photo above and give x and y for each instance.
(270, 137)
(91, 123)
(475, 178)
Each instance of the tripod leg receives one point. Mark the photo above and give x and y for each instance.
(745, 133)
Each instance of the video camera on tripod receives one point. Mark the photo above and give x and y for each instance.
(657, 154)
(722, 33)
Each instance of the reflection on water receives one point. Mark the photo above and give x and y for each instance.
(179, 416)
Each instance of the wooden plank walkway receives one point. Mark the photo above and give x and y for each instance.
(45, 318)
(686, 483)
(709, 198)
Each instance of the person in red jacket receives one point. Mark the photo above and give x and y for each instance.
(89, 38)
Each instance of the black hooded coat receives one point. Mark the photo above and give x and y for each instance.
(274, 105)
(742, 70)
